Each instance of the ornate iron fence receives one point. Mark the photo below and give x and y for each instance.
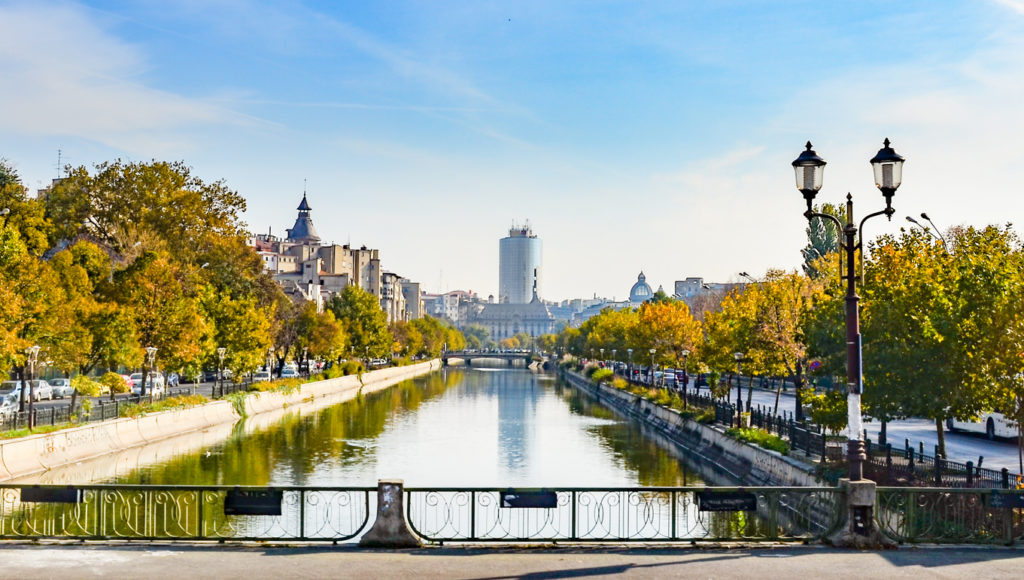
(184, 512)
(943, 515)
(626, 515)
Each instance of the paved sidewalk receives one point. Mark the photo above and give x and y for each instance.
(219, 562)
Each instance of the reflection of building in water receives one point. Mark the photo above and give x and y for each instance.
(517, 406)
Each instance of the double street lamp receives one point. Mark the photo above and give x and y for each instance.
(629, 351)
(888, 172)
(150, 370)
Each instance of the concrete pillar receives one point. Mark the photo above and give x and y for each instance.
(390, 529)
(859, 530)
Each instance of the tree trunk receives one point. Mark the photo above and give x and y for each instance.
(941, 433)
(883, 434)
(74, 399)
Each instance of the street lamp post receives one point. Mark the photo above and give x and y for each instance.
(270, 361)
(739, 390)
(221, 351)
(33, 356)
(686, 377)
(151, 367)
(602, 356)
(629, 351)
(887, 166)
(305, 359)
(652, 351)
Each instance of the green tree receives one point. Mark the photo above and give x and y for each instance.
(822, 239)
(365, 323)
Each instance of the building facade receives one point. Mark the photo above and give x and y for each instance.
(519, 266)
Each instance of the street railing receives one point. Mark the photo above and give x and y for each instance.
(625, 514)
(184, 512)
(103, 409)
(943, 515)
(286, 513)
(884, 465)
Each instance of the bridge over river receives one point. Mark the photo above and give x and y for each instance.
(468, 356)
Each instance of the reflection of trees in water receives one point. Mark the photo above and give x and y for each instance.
(625, 439)
(299, 444)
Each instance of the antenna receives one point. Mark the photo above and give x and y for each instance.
(58, 163)
(303, 186)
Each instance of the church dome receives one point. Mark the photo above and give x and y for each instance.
(641, 291)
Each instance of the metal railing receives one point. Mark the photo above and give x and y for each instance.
(184, 512)
(625, 515)
(943, 515)
(884, 465)
(104, 409)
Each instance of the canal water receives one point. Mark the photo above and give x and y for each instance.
(460, 427)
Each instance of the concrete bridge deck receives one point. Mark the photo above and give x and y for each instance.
(254, 562)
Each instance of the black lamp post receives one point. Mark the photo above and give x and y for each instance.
(221, 351)
(653, 350)
(629, 351)
(739, 390)
(686, 377)
(150, 368)
(888, 169)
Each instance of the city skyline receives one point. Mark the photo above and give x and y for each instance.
(653, 137)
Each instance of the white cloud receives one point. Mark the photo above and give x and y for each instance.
(65, 76)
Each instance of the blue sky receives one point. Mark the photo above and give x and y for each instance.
(632, 135)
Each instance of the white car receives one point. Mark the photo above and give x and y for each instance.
(289, 373)
(61, 388)
(261, 376)
(154, 384)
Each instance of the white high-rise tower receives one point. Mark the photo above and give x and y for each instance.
(519, 266)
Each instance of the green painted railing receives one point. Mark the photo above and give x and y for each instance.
(947, 515)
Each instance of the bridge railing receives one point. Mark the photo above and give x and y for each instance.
(950, 516)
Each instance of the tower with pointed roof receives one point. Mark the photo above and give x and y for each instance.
(303, 232)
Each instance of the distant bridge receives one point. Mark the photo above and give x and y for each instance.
(470, 355)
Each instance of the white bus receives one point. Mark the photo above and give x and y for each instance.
(991, 425)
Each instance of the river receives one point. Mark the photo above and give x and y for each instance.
(460, 427)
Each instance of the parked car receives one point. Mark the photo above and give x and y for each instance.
(289, 373)
(61, 388)
(37, 390)
(261, 376)
(154, 385)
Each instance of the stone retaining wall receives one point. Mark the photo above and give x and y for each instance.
(721, 460)
(34, 454)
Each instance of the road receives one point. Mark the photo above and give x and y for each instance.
(960, 447)
(500, 563)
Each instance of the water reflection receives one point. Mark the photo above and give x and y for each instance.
(460, 427)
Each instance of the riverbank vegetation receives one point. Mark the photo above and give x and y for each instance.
(942, 328)
(129, 255)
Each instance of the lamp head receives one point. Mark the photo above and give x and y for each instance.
(888, 168)
(810, 169)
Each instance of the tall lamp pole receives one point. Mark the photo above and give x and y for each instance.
(151, 365)
(653, 350)
(739, 390)
(629, 351)
(686, 376)
(33, 356)
(221, 351)
(887, 166)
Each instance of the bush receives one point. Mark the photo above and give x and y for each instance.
(590, 369)
(352, 367)
(334, 372)
(602, 375)
(760, 438)
(619, 383)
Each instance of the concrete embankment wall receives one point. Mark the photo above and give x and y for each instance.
(721, 460)
(36, 454)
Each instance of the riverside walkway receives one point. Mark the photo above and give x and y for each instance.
(199, 562)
